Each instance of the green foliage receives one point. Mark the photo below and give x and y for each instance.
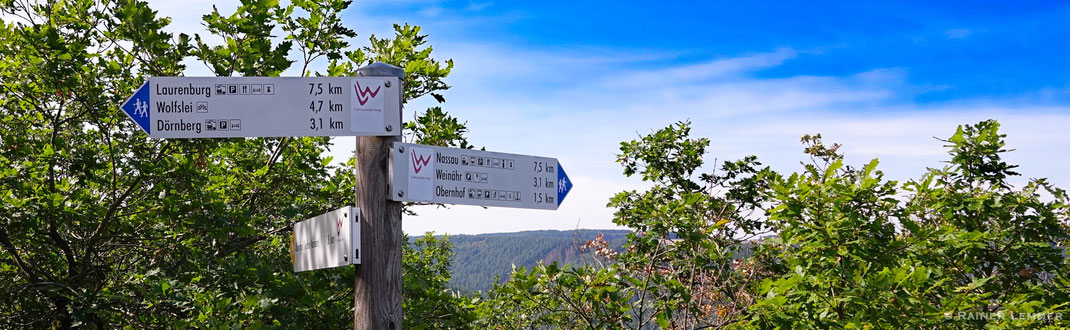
(971, 252)
(837, 251)
(563, 297)
(103, 227)
(678, 266)
(429, 303)
(319, 34)
(436, 127)
(247, 47)
(423, 74)
(1001, 248)
(958, 248)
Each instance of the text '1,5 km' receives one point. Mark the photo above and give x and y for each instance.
(463, 176)
(207, 107)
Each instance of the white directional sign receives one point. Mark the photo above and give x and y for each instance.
(328, 240)
(214, 107)
(463, 176)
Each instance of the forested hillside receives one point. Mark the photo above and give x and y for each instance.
(481, 258)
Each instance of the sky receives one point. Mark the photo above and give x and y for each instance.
(573, 79)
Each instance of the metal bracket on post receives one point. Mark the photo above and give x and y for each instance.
(398, 166)
(354, 235)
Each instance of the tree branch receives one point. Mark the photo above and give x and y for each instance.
(255, 194)
(249, 241)
(110, 214)
(5, 241)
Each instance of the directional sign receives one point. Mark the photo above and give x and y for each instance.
(213, 107)
(328, 240)
(463, 176)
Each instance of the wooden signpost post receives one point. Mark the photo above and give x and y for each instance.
(388, 172)
(377, 287)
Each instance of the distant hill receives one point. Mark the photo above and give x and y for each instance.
(480, 258)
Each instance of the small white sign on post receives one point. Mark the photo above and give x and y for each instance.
(326, 241)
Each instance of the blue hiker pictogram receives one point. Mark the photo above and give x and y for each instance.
(137, 107)
(563, 184)
(141, 108)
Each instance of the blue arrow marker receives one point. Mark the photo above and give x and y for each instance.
(137, 107)
(563, 184)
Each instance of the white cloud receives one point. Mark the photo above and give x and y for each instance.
(703, 71)
(578, 104)
(957, 33)
(579, 110)
(474, 6)
(432, 12)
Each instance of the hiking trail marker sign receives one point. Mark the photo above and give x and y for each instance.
(368, 106)
(328, 240)
(220, 107)
(432, 174)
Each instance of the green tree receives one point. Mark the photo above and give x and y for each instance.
(836, 252)
(678, 267)
(971, 252)
(101, 226)
(845, 248)
(429, 302)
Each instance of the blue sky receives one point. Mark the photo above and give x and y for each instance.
(573, 79)
(994, 49)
